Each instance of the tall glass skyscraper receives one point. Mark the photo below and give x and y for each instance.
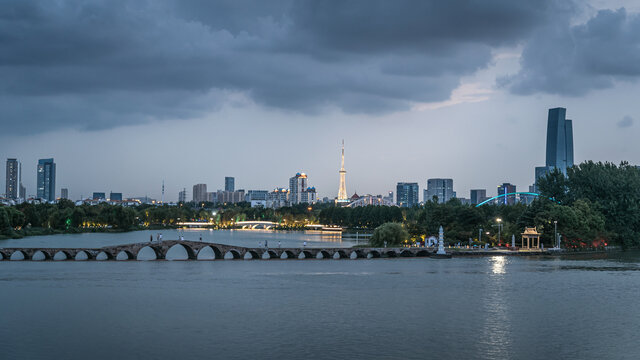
(229, 183)
(559, 140)
(407, 194)
(46, 179)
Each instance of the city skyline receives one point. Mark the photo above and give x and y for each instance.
(410, 107)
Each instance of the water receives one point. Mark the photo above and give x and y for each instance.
(462, 308)
(247, 238)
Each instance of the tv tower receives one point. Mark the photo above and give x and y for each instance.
(342, 192)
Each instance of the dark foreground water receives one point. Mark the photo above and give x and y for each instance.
(485, 308)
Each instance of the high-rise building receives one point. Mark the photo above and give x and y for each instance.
(46, 179)
(278, 198)
(200, 193)
(182, 196)
(229, 183)
(13, 178)
(113, 196)
(441, 188)
(309, 196)
(297, 184)
(559, 144)
(342, 191)
(64, 193)
(99, 196)
(559, 140)
(407, 194)
(506, 189)
(478, 196)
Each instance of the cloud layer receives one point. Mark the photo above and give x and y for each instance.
(99, 64)
(573, 60)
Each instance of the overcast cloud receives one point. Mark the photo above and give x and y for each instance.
(126, 94)
(99, 64)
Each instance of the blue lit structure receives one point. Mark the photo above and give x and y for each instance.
(507, 194)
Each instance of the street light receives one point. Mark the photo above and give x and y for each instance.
(555, 232)
(480, 235)
(499, 229)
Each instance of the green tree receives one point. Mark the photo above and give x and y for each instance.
(391, 233)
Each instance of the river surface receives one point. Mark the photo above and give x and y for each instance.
(247, 238)
(416, 308)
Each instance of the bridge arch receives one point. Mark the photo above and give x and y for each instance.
(2, 256)
(251, 255)
(124, 255)
(209, 253)
(323, 254)
(61, 256)
(180, 252)
(373, 254)
(390, 253)
(104, 255)
(406, 253)
(82, 256)
(339, 254)
(305, 254)
(18, 255)
(148, 253)
(355, 254)
(232, 255)
(422, 253)
(287, 254)
(40, 255)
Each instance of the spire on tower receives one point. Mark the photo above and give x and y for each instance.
(342, 191)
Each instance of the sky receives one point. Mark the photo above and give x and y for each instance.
(125, 95)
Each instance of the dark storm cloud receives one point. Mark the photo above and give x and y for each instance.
(572, 60)
(99, 64)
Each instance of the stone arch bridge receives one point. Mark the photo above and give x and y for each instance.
(196, 250)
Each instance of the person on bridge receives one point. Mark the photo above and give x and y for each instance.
(278, 244)
(304, 244)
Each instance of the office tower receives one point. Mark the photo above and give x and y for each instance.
(229, 183)
(182, 196)
(407, 194)
(64, 193)
(46, 179)
(342, 190)
(442, 188)
(13, 181)
(113, 196)
(559, 140)
(506, 189)
(478, 196)
(199, 193)
(297, 185)
(99, 196)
